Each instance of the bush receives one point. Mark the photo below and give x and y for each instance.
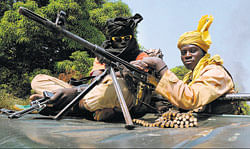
(180, 71)
(8, 100)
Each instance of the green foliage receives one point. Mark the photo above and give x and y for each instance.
(99, 16)
(38, 71)
(8, 100)
(12, 82)
(7, 5)
(18, 83)
(27, 48)
(80, 64)
(3, 7)
(245, 108)
(180, 71)
(24, 40)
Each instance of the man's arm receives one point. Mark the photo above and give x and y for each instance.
(151, 62)
(212, 83)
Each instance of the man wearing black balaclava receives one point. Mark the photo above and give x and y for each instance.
(102, 99)
(120, 40)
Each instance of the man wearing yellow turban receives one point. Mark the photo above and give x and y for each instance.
(207, 79)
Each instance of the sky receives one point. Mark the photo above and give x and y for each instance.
(165, 20)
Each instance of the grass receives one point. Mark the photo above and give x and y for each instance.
(7, 100)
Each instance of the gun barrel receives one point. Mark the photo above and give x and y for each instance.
(35, 17)
(236, 97)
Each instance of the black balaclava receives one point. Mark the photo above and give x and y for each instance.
(122, 26)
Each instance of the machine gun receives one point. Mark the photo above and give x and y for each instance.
(35, 105)
(110, 59)
(114, 60)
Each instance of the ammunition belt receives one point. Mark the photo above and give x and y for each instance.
(171, 119)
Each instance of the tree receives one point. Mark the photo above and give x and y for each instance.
(100, 15)
(99, 11)
(180, 71)
(76, 68)
(26, 46)
(3, 7)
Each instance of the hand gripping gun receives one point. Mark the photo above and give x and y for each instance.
(34, 105)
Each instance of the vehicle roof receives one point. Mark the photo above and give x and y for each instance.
(214, 131)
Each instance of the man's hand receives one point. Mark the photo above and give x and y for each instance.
(58, 101)
(62, 97)
(35, 97)
(153, 62)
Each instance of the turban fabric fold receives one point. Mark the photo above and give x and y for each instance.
(199, 37)
(122, 25)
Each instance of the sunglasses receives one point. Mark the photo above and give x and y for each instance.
(122, 38)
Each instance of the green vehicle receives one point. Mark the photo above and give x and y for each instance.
(214, 131)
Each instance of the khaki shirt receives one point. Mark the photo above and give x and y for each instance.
(213, 82)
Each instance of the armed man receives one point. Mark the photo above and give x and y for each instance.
(206, 81)
(101, 101)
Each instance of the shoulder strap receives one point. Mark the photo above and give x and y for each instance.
(228, 74)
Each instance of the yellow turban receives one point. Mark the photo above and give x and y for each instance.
(199, 37)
